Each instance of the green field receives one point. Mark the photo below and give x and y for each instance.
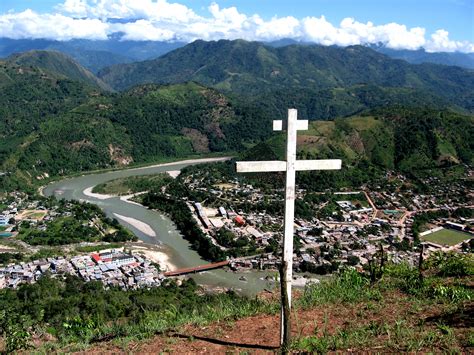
(446, 236)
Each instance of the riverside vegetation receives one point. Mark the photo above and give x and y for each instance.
(430, 310)
(72, 222)
(133, 184)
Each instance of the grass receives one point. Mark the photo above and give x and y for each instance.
(393, 336)
(132, 184)
(446, 237)
(363, 123)
(33, 214)
(346, 288)
(92, 248)
(223, 307)
(397, 313)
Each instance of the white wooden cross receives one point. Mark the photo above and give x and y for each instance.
(291, 165)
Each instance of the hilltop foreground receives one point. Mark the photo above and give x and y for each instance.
(349, 317)
(392, 308)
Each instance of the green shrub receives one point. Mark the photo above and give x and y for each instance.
(405, 277)
(452, 264)
(451, 293)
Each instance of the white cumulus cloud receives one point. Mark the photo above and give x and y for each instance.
(440, 42)
(141, 30)
(127, 9)
(29, 24)
(165, 20)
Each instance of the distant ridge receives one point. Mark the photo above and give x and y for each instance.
(57, 63)
(252, 68)
(464, 60)
(98, 54)
(93, 54)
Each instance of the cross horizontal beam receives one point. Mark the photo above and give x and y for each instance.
(278, 165)
(280, 125)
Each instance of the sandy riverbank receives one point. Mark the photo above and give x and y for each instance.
(127, 198)
(141, 226)
(174, 173)
(156, 256)
(88, 192)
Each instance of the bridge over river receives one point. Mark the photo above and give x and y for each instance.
(170, 241)
(211, 266)
(190, 270)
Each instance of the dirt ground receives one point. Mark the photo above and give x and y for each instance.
(260, 334)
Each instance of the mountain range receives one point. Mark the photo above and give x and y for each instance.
(94, 55)
(58, 64)
(251, 69)
(98, 54)
(58, 118)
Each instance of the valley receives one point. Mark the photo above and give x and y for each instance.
(108, 181)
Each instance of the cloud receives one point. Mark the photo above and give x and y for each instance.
(277, 28)
(29, 24)
(141, 30)
(440, 42)
(127, 9)
(164, 20)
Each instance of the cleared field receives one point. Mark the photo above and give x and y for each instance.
(447, 236)
(31, 214)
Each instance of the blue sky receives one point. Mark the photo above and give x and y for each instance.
(456, 16)
(231, 18)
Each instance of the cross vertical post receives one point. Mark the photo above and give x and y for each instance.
(290, 166)
(286, 274)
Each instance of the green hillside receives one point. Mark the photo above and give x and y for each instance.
(52, 125)
(251, 68)
(406, 140)
(30, 97)
(58, 64)
(396, 138)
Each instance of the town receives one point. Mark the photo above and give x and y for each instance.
(347, 227)
(332, 228)
(114, 268)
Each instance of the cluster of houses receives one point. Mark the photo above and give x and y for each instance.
(22, 209)
(113, 268)
(353, 234)
(437, 194)
(213, 219)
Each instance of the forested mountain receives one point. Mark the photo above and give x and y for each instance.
(55, 121)
(92, 54)
(464, 60)
(56, 64)
(251, 68)
(394, 138)
(51, 125)
(413, 141)
(98, 54)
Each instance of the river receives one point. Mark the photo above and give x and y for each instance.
(167, 236)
